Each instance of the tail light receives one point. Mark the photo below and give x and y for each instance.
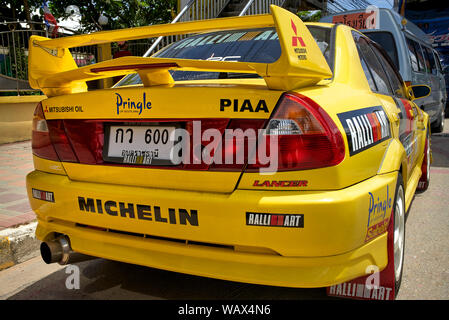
(307, 136)
(238, 147)
(49, 139)
(40, 136)
(60, 141)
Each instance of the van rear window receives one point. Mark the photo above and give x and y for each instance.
(386, 41)
(413, 55)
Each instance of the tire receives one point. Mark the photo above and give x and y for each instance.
(396, 240)
(439, 126)
(424, 181)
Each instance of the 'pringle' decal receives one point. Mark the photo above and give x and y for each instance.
(365, 128)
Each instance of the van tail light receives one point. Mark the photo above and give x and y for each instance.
(49, 139)
(307, 137)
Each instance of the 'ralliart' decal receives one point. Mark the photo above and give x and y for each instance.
(275, 220)
(43, 195)
(365, 128)
(360, 291)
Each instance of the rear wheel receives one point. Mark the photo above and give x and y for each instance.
(396, 239)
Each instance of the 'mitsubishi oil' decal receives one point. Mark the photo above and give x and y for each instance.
(365, 128)
(56, 109)
(275, 220)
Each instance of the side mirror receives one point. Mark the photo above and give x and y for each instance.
(420, 91)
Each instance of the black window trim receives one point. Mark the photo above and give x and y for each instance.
(387, 57)
(394, 42)
(362, 56)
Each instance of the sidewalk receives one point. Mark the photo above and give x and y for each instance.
(16, 162)
(17, 220)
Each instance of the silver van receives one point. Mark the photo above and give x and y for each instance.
(408, 47)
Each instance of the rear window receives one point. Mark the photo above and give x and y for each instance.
(413, 55)
(386, 41)
(429, 57)
(252, 45)
(419, 54)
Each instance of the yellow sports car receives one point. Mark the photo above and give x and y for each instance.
(258, 149)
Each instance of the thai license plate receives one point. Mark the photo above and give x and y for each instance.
(143, 145)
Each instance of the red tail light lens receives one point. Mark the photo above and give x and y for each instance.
(307, 136)
(60, 141)
(49, 139)
(40, 137)
(239, 144)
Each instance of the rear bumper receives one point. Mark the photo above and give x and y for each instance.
(331, 248)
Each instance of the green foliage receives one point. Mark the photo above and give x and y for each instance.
(19, 63)
(120, 13)
(310, 16)
(13, 10)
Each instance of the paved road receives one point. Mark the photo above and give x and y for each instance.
(426, 270)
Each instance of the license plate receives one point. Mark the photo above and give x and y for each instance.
(143, 145)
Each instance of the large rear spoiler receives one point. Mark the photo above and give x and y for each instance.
(53, 70)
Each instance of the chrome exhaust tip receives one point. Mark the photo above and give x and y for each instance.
(59, 251)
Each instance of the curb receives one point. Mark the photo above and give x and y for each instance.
(18, 245)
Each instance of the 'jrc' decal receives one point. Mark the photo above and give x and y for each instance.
(365, 128)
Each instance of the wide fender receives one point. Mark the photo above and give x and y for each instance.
(394, 159)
